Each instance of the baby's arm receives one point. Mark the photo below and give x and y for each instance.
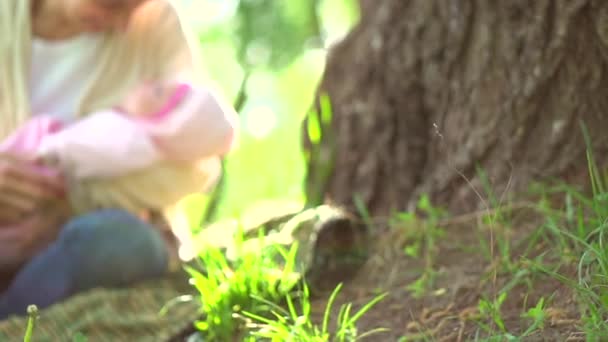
(103, 144)
(202, 125)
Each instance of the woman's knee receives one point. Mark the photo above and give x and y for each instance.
(88, 226)
(112, 248)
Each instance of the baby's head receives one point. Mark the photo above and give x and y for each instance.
(154, 98)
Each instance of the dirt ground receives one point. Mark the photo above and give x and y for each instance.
(449, 311)
(464, 275)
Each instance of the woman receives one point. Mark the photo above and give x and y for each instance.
(79, 56)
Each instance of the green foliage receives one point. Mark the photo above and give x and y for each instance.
(538, 315)
(579, 235)
(500, 227)
(79, 337)
(423, 232)
(319, 158)
(265, 45)
(272, 34)
(253, 29)
(289, 325)
(491, 309)
(228, 288)
(246, 296)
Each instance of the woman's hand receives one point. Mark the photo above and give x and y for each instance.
(24, 186)
(20, 241)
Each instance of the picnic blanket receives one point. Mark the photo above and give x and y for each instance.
(127, 314)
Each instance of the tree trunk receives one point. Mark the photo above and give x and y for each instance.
(425, 92)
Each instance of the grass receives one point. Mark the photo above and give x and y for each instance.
(579, 235)
(492, 309)
(32, 313)
(291, 325)
(252, 287)
(576, 233)
(501, 230)
(572, 231)
(423, 233)
(228, 288)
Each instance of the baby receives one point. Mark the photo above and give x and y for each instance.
(154, 122)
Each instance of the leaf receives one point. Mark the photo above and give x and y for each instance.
(313, 127)
(326, 110)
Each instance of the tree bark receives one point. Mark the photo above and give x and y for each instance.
(425, 92)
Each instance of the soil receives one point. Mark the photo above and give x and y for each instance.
(450, 310)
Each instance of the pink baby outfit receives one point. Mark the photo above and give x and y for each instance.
(109, 143)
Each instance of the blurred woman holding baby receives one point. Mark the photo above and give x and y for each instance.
(70, 59)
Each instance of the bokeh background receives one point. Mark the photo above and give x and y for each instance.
(267, 57)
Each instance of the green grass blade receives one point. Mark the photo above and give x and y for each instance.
(32, 312)
(372, 332)
(367, 307)
(328, 307)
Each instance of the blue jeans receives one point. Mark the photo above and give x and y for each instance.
(106, 248)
